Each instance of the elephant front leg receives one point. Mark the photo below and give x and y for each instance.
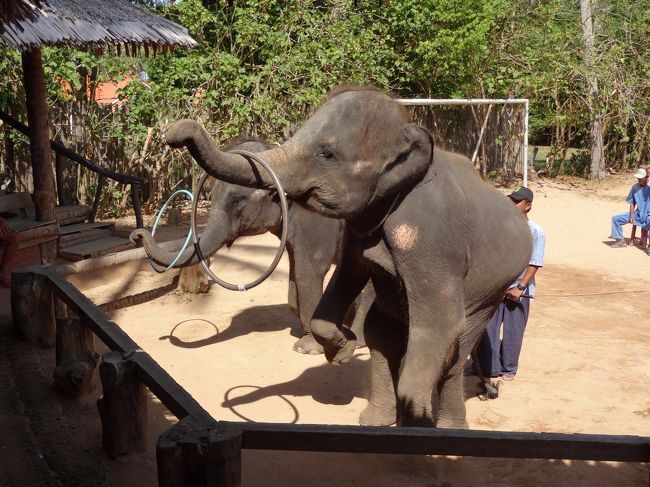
(302, 303)
(338, 342)
(356, 317)
(309, 290)
(307, 276)
(386, 339)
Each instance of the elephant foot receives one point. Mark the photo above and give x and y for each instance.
(421, 422)
(459, 424)
(376, 416)
(308, 345)
(342, 355)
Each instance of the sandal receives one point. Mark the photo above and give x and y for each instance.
(508, 377)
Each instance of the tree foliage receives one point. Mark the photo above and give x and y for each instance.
(262, 64)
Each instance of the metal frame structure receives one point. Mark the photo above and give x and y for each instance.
(480, 101)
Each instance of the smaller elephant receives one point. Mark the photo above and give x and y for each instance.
(313, 245)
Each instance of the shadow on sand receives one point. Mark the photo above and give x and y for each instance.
(325, 384)
(268, 318)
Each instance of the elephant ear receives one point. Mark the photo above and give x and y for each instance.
(409, 164)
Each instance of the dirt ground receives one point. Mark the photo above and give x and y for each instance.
(584, 365)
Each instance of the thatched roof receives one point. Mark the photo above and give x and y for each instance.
(12, 10)
(87, 24)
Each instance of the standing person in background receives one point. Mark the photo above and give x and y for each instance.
(11, 239)
(639, 213)
(501, 357)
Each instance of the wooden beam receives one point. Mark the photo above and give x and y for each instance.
(172, 395)
(431, 441)
(164, 387)
(72, 155)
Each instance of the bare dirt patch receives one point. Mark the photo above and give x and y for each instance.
(584, 366)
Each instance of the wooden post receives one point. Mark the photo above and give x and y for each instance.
(10, 157)
(197, 453)
(123, 406)
(76, 359)
(98, 197)
(194, 280)
(32, 307)
(137, 208)
(66, 180)
(49, 252)
(39, 136)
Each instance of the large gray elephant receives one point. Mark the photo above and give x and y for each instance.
(439, 245)
(313, 244)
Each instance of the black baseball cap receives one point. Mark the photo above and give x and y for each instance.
(521, 193)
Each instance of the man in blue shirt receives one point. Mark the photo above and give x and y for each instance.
(639, 213)
(499, 357)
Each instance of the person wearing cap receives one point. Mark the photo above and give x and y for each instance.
(639, 212)
(500, 357)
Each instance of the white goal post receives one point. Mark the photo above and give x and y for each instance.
(481, 101)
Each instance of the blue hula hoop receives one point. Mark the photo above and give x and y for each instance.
(155, 225)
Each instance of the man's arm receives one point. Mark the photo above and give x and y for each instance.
(630, 200)
(515, 293)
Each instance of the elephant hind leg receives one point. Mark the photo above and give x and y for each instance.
(451, 404)
(386, 338)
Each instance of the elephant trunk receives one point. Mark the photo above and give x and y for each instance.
(232, 168)
(215, 236)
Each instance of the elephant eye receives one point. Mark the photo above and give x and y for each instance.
(236, 200)
(325, 154)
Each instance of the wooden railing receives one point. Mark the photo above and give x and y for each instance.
(134, 182)
(200, 450)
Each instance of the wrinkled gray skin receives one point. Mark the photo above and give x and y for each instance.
(439, 245)
(313, 245)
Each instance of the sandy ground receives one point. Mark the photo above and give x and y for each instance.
(583, 369)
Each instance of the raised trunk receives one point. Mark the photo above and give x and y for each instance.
(39, 139)
(232, 168)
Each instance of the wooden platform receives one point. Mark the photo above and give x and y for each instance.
(37, 238)
(74, 238)
(82, 227)
(104, 245)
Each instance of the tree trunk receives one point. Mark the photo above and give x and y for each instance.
(595, 132)
(10, 159)
(39, 140)
(66, 175)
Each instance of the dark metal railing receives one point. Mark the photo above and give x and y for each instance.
(135, 182)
